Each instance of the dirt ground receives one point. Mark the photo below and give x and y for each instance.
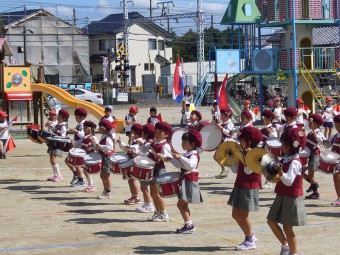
(40, 217)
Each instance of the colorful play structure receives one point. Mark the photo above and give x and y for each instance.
(290, 63)
(16, 86)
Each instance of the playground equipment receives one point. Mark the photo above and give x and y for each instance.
(17, 86)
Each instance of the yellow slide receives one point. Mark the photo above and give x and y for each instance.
(66, 98)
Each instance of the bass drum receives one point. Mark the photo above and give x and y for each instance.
(176, 139)
(212, 136)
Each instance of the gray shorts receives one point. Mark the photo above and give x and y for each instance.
(288, 210)
(245, 199)
(106, 164)
(314, 162)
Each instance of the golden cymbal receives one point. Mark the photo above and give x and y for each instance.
(228, 153)
(267, 163)
(253, 159)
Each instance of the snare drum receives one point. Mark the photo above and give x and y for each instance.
(32, 134)
(329, 162)
(143, 168)
(115, 160)
(304, 155)
(42, 136)
(168, 184)
(59, 143)
(212, 136)
(125, 168)
(76, 157)
(93, 163)
(176, 139)
(274, 146)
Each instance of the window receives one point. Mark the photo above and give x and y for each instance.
(152, 44)
(146, 67)
(160, 45)
(247, 10)
(104, 45)
(133, 75)
(149, 67)
(229, 9)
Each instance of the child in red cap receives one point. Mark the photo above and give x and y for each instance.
(301, 114)
(245, 195)
(246, 107)
(188, 164)
(58, 130)
(106, 148)
(52, 120)
(130, 119)
(314, 139)
(334, 143)
(108, 116)
(328, 115)
(288, 207)
(277, 110)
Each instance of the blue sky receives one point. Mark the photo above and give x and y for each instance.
(92, 10)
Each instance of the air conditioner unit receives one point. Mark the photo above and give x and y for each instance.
(263, 60)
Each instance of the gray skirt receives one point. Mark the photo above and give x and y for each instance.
(314, 162)
(189, 191)
(106, 164)
(245, 199)
(55, 152)
(288, 210)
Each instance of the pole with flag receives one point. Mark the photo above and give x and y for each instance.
(222, 99)
(9, 144)
(178, 87)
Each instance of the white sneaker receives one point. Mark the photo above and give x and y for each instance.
(105, 195)
(284, 250)
(155, 215)
(161, 217)
(145, 208)
(267, 185)
(246, 245)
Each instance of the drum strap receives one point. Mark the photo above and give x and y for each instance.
(315, 145)
(192, 176)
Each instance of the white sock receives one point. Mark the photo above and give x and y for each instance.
(89, 180)
(54, 170)
(57, 170)
(189, 222)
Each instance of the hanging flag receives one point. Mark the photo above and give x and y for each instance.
(336, 108)
(9, 145)
(177, 87)
(159, 117)
(222, 99)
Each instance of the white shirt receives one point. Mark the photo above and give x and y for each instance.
(299, 116)
(277, 112)
(295, 168)
(51, 124)
(4, 132)
(166, 149)
(109, 145)
(273, 132)
(229, 127)
(154, 120)
(280, 128)
(128, 126)
(189, 164)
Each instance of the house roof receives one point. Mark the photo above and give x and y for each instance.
(13, 18)
(114, 23)
(326, 35)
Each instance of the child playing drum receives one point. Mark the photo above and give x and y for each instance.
(314, 138)
(80, 115)
(52, 120)
(245, 195)
(106, 149)
(59, 130)
(288, 207)
(130, 119)
(190, 190)
(195, 118)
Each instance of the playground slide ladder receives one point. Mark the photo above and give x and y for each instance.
(337, 69)
(203, 89)
(314, 88)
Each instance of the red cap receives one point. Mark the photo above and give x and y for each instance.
(165, 127)
(276, 99)
(337, 119)
(317, 118)
(3, 114)
(329, 99)
(246, 102)
(149, 130)
(80, 112)
(247, 114)
(295, 137)
(133, 109)
(299, 101)
(195, 137)
(137, 128)
(105, 124)
(268, 114)
(290, 112)
(227, 111)
(90, 124)
(197, 113)
(52, 112)
(64, 114)
(251, 134)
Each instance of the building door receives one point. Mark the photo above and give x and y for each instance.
(306, 52)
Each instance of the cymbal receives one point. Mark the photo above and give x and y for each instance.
(253, 159)
(267, 163)
(228, 153)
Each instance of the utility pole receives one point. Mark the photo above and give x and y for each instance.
(166, 11)
(200, 42)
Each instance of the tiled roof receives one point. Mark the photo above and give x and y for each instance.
(11, 17)
(114, 24)
(326, 35)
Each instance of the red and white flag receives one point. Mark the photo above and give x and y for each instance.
(9, 145)
(336, 108)
(222, 99)
(159, 117)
